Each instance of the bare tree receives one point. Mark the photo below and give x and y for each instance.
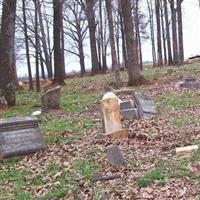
(151, 23)
(115, 64)
(159, 43)
(27, 45)
(37, 48)
(169, 50)
(76, 30)
(7, 62)
(180, 33)
(132, 64)
(58, 72)
(88, 6)
(174, 32)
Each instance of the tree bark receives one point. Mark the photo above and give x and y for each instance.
(174, 33)
(163, 34)
(37, 48)
(159, 42)
(7, 39)
(150, 9)
(169, 49)
(92, 32)
(115, 64)
(58, 69)
(180, 32)
(44, 42)
(27, 46)
(132, 64)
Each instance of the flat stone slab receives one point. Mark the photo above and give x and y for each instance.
(15, 123)
(20, 136)
(145, 105)
(128, 110)
(20, 142)
(127, 105)
(130, 114)
(115, 157)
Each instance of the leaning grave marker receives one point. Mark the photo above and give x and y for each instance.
(51, 99)
(19, 136)
(112, 119)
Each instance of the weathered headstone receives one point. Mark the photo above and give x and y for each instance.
(20, 136)
(145, 105)
(188, 82)
(51, 99)
(128, 110)
(112, 119)
(114, 156)
(191, 85)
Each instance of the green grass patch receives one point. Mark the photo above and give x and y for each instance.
(151, 176)
(85, 168)
(176, 101)
(76, 102)
(22, 195)
(185, 120)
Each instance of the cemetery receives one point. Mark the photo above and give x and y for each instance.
(86, 145)
(99, 100)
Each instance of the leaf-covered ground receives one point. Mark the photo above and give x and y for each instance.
(76, 152)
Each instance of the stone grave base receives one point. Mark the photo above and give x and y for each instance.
(117, 135)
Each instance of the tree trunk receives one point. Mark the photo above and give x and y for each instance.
(82, 59)
(169, 49)
(62, 43)
(44, 42)
(92, 32)
(115, 64)
(7, 37)
(159, 42)
(58, 69)
(37, 48)
(163, 34)
(180, 32)
(174, 33)
(137, 27)
(41, 62)
(124, 54)
(150, 9)
(132, 66)
(27, 46)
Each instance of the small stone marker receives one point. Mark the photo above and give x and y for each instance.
(115, 157)
(51, 99)
(188, 150)
(19, 136)
(112, 119)
(145, 105)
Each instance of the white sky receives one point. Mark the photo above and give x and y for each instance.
(191, 33)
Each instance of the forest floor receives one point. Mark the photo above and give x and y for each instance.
(75, 151)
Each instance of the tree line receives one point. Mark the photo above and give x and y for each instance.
(48, 29)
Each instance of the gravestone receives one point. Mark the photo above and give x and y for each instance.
(145, 105)
(188, 82)
(112, 119)
(128, 110)
(114, 156)
(19, 136)
(51, 99)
